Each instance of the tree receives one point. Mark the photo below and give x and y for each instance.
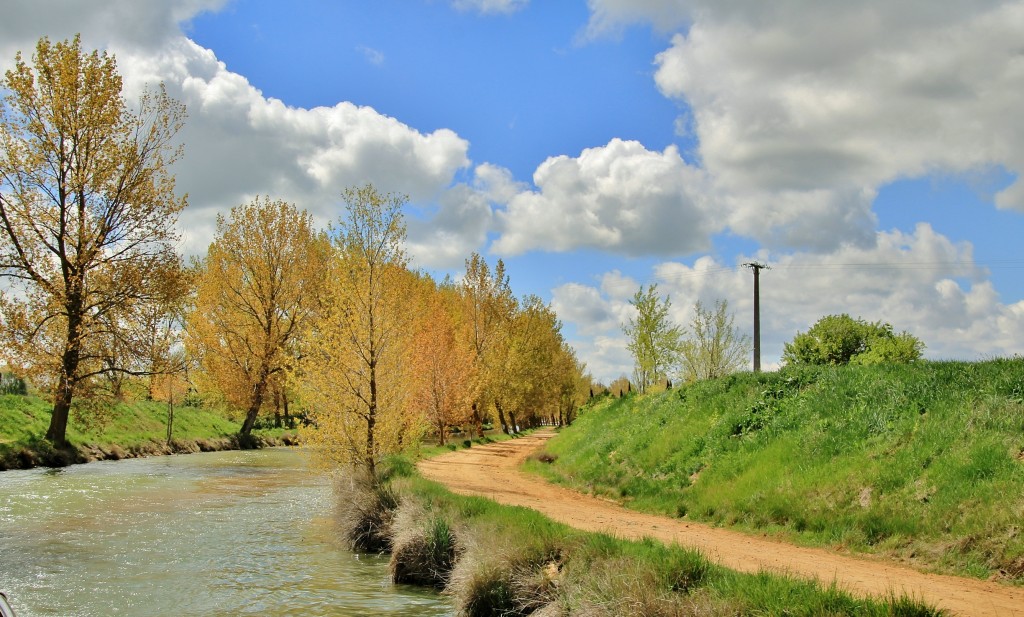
(840, 339)
(654, 340)
(354, 383)
(445, 376)
(257, 287)
(715, 347)
(87, 214)
(489, 309)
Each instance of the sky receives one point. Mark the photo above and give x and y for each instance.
(869, 152)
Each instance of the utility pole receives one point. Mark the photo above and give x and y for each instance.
(757, 267)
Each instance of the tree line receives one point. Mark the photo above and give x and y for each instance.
(331, 321)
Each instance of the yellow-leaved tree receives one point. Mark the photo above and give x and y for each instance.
(87, 216)
(257, 287)
(444, 380)
(488, 308)
(354, 378)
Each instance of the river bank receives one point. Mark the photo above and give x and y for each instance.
(127, 430)
(43, 454)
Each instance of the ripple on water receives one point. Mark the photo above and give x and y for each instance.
(239, 533)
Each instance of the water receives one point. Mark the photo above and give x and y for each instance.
(222, 533)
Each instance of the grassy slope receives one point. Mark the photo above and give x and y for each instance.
(24, 419)
(921, 462)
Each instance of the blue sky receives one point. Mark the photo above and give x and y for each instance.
(869, 151)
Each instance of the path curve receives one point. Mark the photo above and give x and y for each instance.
(492, 471)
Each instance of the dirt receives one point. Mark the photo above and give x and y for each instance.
(492, 471)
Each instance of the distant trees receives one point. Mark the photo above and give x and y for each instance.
(714, 347)
(87, 214)
(654, 341)
(840, 339)
(257, 287)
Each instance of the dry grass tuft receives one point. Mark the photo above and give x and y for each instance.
(424, 547)
(366, 509)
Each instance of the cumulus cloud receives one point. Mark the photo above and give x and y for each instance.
(619, 197)
(803, 111)
(240, 143)
(825, 103)
(486, 7)
(920, 282)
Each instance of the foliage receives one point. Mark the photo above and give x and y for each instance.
(355, 376)
(258, 286)
(489, 308)
(445, 383)
(921, 460)
(840, 339)
(87, 214)
(654, 341)
(714, 347)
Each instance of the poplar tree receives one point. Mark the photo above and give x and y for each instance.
(87, 217)
(654, 341)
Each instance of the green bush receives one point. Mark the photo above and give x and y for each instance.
(840, 339)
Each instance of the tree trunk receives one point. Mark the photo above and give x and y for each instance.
(57, 432)
(254, 410)
(513, 427)
(501, 418)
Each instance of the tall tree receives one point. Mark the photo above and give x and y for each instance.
(87, 213)
(715, 347)
(444, 378)
(654, 340)
(489, 309)
(257, 286)
(354, 383)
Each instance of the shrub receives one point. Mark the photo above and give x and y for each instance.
(840, 339)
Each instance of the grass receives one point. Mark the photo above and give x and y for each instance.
(502, 560)
(922, 462)
(130, 425)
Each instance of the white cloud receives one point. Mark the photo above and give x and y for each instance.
(487, 7)
(920, 282)
(610, 16)
(373, 56)
(620, 197)
(821, 104)
(457, 228)
(240, 143)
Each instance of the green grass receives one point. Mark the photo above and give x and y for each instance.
(922, 462)
(513, 560)
(24, 420)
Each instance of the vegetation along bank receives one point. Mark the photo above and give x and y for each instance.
(920, 462)
(500, 560)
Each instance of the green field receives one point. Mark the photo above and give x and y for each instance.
(923, 462)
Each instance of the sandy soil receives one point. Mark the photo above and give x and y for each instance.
(491, 471)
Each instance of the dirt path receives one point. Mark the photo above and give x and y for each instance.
(491, 471)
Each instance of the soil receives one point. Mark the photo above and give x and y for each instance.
(492, 471)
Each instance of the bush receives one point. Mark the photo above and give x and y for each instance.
(840, 339)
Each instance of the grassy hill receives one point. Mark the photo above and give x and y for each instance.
(922, 462)
(134, 429)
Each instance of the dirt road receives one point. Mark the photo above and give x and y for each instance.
(491, 471)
